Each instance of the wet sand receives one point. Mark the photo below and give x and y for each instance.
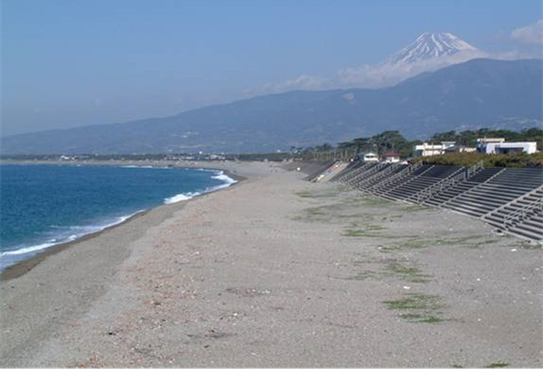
(276, 271)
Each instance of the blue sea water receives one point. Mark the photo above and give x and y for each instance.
(45, 205)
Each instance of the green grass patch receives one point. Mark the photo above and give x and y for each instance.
(357, 233)
(373, 227)
(458, 240)
(418, 307)
(304, 194)
(314, 214)
(408, 273)
(415, 208)
(528, 245)
(411, 244)
(478, 245)
(430, 319)
(415, 243)
(367, 274)
(318, 193)
(372, 201)
(316, 211)
(356, 216)
(415, 301)
(498, 364)
(421, 318)
(367, 230)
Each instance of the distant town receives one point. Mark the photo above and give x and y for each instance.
(495, 147)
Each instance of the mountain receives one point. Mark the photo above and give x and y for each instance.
(429, 52)
(430, 46)
(478, 93)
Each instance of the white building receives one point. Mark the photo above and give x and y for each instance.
(459, 148)
(427, 149)
(370, 156)
(499, 146)
(391, 157)
(487, 140)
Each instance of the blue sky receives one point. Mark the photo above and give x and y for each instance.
(79, 62)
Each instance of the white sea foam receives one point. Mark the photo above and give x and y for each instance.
(219, 174)
(223, 177)
(26, 250)
(80, 231)
(144, 167)
(181, 197)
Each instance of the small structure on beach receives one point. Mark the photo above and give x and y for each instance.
(391, 157)
(430, 149)
(370, 156)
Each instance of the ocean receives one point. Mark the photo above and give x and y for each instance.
(46, 205)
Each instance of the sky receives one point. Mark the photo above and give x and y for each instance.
(68, 63)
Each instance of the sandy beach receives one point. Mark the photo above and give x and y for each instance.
(279, 272)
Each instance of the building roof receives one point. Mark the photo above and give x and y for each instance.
(455, 147)
(390, 154)
(484, 140)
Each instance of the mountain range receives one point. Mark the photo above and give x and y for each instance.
(474, 94)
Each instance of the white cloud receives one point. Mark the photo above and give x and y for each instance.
(303, 82)
(390, 73)
(530, 34)
(516, 55)
(369, 76)
(387, 74)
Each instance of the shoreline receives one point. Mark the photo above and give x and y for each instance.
(280, 272)
(25, 265)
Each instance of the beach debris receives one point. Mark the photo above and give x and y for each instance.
(406, 287)
(248, 292)
(513, 250)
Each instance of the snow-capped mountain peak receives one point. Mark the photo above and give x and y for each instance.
(430, 46)
(429, 52)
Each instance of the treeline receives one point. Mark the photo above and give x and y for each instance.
(469, 138)
(274, 156)
(381, 143)
(512, 160)
(395, 141)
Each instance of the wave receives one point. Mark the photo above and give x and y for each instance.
(219, 174)
(144, 167)
(70, 234)
(181, 197)
(223, 177)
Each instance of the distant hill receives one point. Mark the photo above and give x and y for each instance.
(478, 93)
